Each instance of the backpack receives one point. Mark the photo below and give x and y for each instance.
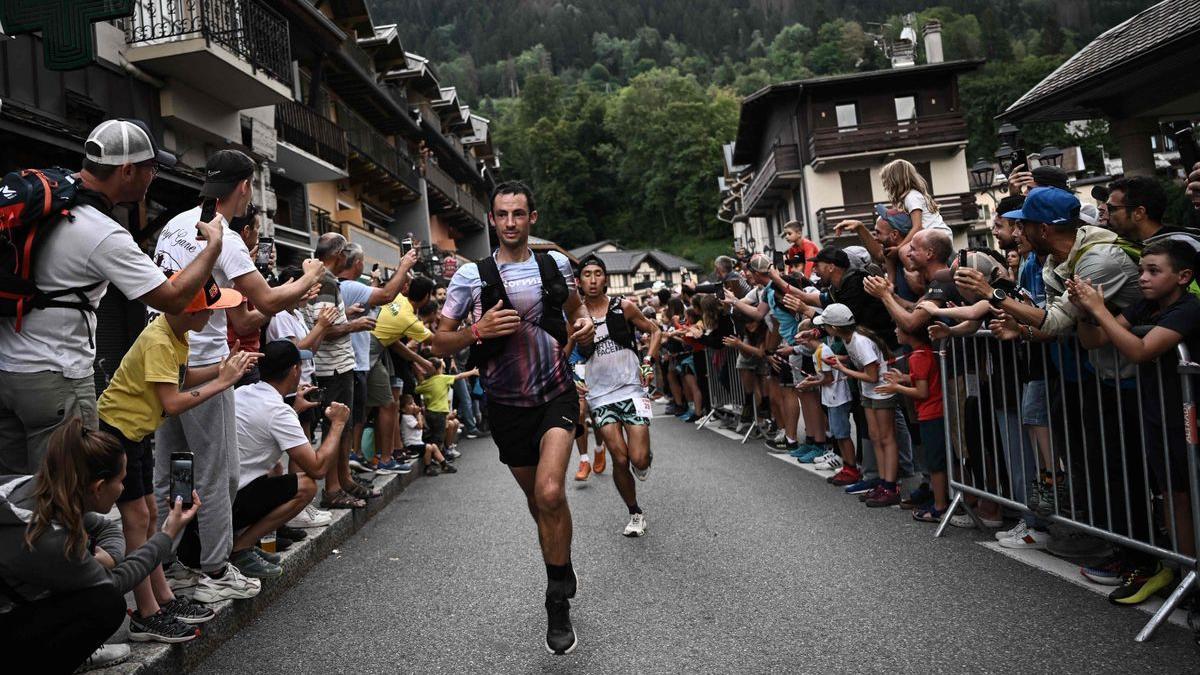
(1131, 249)
(619, 329)
(33, 203)
(554, 295)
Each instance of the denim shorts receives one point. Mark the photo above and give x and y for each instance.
(839, 420)
(1035, 404)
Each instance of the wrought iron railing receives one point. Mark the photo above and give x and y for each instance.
(305, 129)
(247, 28)
(374, 146)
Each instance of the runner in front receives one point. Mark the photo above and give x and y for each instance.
(616, 385)
(525, 308)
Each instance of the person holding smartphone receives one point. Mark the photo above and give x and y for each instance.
(153, 382)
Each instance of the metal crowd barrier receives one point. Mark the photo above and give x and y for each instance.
(726, 395)
(1098, 475)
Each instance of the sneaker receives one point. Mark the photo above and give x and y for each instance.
(453, 453)
(432, 470)
(1075, 544)
(393, 467)
(1108, 573)
(872, 493)
(1141, 583)
(641, 474)
(964, 521)
(599, 464)
(160, 627)
(863, 486)
(1031, 539)
(560, 636)
(105, 656)
(636, 526)
(825, 457)
(1017, 531)
(232, 586)
(471, 434)
(449, 468)
(884, 498)
(585, 470)
(833, 463)
(847, 475)
(183, 580)
(252, 565)
(359, 464)
(291, 533)
(741, 428)
(311, 516)
(188, 611)
(811, 456)
(919, 497)
(272, 558)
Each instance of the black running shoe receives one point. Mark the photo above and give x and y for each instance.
(161, 627)
(560, 636)
(292, 533)
(183, 609)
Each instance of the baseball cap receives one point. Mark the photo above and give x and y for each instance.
(1049, 205)
(223, 171)
(278, 356)
(858, 256)
(760, 263)
(899, 220)
(836, 314)
(594, 261)
(833, 255)
(1089, 214)
(1050, 176)
(211, 296)
(124, 141)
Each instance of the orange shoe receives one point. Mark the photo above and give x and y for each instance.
(585, 470)
(598, 464)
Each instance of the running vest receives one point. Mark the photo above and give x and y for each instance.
(619, 329)
(554, 295)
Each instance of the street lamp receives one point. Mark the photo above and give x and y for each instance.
(751, 244)
(1008, 134)
(982, 174)
(1051, 156)
(1004, 158)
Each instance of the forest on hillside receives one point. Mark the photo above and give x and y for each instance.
(616, 110)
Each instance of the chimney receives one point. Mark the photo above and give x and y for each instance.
(933, 42)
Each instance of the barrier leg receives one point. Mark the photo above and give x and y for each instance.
(954, 503)
(706, 419)
(1169, 606)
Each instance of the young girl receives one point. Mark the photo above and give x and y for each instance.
(750, 366)
(835, 397)
(908, 192)
(868, 355)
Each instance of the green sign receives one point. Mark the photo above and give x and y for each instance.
(66, 26)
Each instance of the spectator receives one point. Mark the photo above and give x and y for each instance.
(1136, 206)
(397, 322)
(435, 390)
(799, 246)
(909, 193)
(412, 428)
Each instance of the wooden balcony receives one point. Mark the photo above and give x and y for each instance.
(312, 149)
(955, 209)
(780, 171)
(374, 159)
(885, 136)
(458, 205)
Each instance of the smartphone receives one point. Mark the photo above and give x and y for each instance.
(962, 259)
(1020, 159)
(181, 478)
(265, 244)
(315, 395)
(406, 245)
(683, 274)
(208, 211)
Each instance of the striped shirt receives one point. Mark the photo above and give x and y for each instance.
(335, 355)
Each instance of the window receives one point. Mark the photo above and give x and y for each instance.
(847, 116)
(856, 186)
(906, 109)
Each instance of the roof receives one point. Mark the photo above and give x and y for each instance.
(539, 244)
(758, 105)
(672, 262)
(582, 251)
(1146, 47)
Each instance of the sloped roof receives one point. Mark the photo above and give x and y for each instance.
(1154, 35)
(619, 262)
(672, 262)
(581, 251)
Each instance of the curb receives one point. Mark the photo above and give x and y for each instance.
(151, 658)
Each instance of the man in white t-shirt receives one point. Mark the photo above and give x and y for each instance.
(46, 366)
(267, 428)
(208, 430)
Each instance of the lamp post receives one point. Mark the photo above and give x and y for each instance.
(1004, 158)
(1051, 155)
(982, 174)
(751, 244)
(1008, 134)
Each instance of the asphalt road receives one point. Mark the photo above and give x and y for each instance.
(749, 565)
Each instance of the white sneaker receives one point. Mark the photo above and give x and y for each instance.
(233, 586)
(636, 526)
(1017, 531)
(828, 461)
(105, 656)
(311, 516)
(641, 474)
(360, 467)
(183, 580)
(453, 453)
(1031, 539)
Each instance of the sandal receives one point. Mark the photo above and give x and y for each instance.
(361, 492)
(929, 514)
(341, 500)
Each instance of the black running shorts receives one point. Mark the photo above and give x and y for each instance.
(518, 431)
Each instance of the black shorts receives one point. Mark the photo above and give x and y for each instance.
(139, 465)
(784, 374)
(262, 496)
(435, 428)
(518, 431)
(339, 388)
(358, 411)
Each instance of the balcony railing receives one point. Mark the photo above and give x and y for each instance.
(322, 221)
(251, 30)
(374, 146)
(465, 201)
(441, 180)
(955, 209)
(305, 129)
(782, 159)
(876, 136)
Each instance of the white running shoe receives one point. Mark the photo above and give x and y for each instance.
(453, 453)
(1031, 539)
(1017, 531)
(641, 474)
(636, 526)
(233, 586)
(311, 516)
(182, 579)
(105, 656)
(829, 460)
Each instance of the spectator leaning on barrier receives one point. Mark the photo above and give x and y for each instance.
(46, 367)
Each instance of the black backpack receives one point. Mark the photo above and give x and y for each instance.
(554, 295)
(32, 203)
(619, 329)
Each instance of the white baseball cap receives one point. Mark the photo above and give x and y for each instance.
(836, 314)
(124, 141)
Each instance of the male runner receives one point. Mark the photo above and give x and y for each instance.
(616, 391)
(518, 300)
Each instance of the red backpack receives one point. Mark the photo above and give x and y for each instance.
(32, 203)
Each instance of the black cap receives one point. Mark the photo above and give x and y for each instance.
(593, 260)
(834, 256)
(1050, 176)
(278, 357)
(224, 170)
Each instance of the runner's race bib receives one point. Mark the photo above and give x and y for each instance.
(641, 405)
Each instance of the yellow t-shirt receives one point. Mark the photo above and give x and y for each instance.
(435, 389)
(130, 403)
(396, 320)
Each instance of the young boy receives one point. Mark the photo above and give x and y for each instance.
(412, 425)
(835, 396)
(435, 390)
(1167, 268)
(153, 381)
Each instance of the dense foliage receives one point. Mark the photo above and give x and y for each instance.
(616, 110)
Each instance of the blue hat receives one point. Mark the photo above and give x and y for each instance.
(1049, 205)
(899, 220)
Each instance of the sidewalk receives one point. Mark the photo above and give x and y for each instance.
(155, 657)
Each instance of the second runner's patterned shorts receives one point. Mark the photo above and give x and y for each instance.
(624, 412)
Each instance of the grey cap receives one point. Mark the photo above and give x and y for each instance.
(836, 314)
(124, 141)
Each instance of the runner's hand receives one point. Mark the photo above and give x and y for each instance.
(498, 322)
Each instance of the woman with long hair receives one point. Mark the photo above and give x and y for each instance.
(64, 571)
